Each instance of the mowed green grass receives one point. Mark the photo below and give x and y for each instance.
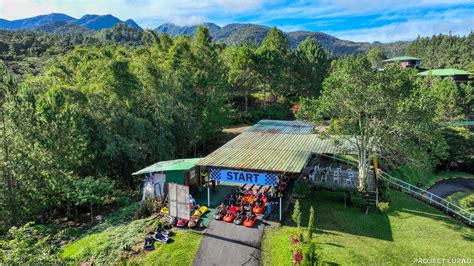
(180, 252)
(409, 230)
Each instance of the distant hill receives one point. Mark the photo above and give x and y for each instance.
(175, 30)
(237, 33)
(90, 21)
(63, 27)
(33, 22)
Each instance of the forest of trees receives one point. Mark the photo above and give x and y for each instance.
(105, 110)
(444, 51)
(78, 108)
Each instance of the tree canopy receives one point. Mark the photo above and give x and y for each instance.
(383, 113)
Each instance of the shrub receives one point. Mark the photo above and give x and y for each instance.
(296, 216)
(301, 188)
(468, 202)
(310, 256)
(310, 224)
(383, 206)
(25, 245)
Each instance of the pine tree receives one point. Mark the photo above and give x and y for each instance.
(311, 67)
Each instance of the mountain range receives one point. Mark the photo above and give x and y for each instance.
(92, 22)
(235, 33)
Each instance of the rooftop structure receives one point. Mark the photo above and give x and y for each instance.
(405, 61)
(282, 127)
(273, 146)
(444, 72)
(459, 76)
(173, 165)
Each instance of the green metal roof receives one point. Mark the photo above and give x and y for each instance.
(281, 126)
(173, 165)
(401, 58)
(464, 123)
(444, 72)
(273, 152)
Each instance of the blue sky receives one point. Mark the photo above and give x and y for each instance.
(357, 20)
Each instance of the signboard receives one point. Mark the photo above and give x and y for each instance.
(179, 201)
(236, 176)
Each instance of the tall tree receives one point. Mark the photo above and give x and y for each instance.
(312, 65)
(273, 59)
(210, 87)
(382, 113)
(241, 70)
(375, 57)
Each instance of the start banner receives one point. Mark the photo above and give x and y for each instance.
(236, 176)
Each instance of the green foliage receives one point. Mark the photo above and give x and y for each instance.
(375, 57)
(301, 188)
(89, 191)
(443, 51)
(384, 112)
(311, 67)
(273, 57)
(25, 245)
(311, 258)
(383, 207)
(460, 149)
(310, 225)
(296, 216)
(105, 246)
(452, 101)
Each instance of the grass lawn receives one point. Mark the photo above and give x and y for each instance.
(426, 179)
(180, 252)
(410, 229)
(464, 200)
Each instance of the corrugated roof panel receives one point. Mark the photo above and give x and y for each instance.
(173, 165)
(281, 126)
(269, 151)
(444, 72)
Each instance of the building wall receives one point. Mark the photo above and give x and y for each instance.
(183, 177)
(175, 177)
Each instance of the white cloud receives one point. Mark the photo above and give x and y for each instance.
(454, 22)
(419, 17)
(177, 11)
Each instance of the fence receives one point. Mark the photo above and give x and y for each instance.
(423, 195)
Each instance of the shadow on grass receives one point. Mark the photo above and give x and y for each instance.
(331, 216)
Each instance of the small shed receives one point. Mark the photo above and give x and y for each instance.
(180, 171)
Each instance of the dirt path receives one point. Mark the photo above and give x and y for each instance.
(446, 187)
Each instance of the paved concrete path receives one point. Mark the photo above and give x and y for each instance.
(446, 187)
(230, 244)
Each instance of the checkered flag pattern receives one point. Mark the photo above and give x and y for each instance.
(215, 174)
(271, 179)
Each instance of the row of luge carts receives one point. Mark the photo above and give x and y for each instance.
(196, 213)
(243, 205)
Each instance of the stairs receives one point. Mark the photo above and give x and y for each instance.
(370, 201)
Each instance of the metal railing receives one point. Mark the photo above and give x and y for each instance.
(423, 195)
(433, 199)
